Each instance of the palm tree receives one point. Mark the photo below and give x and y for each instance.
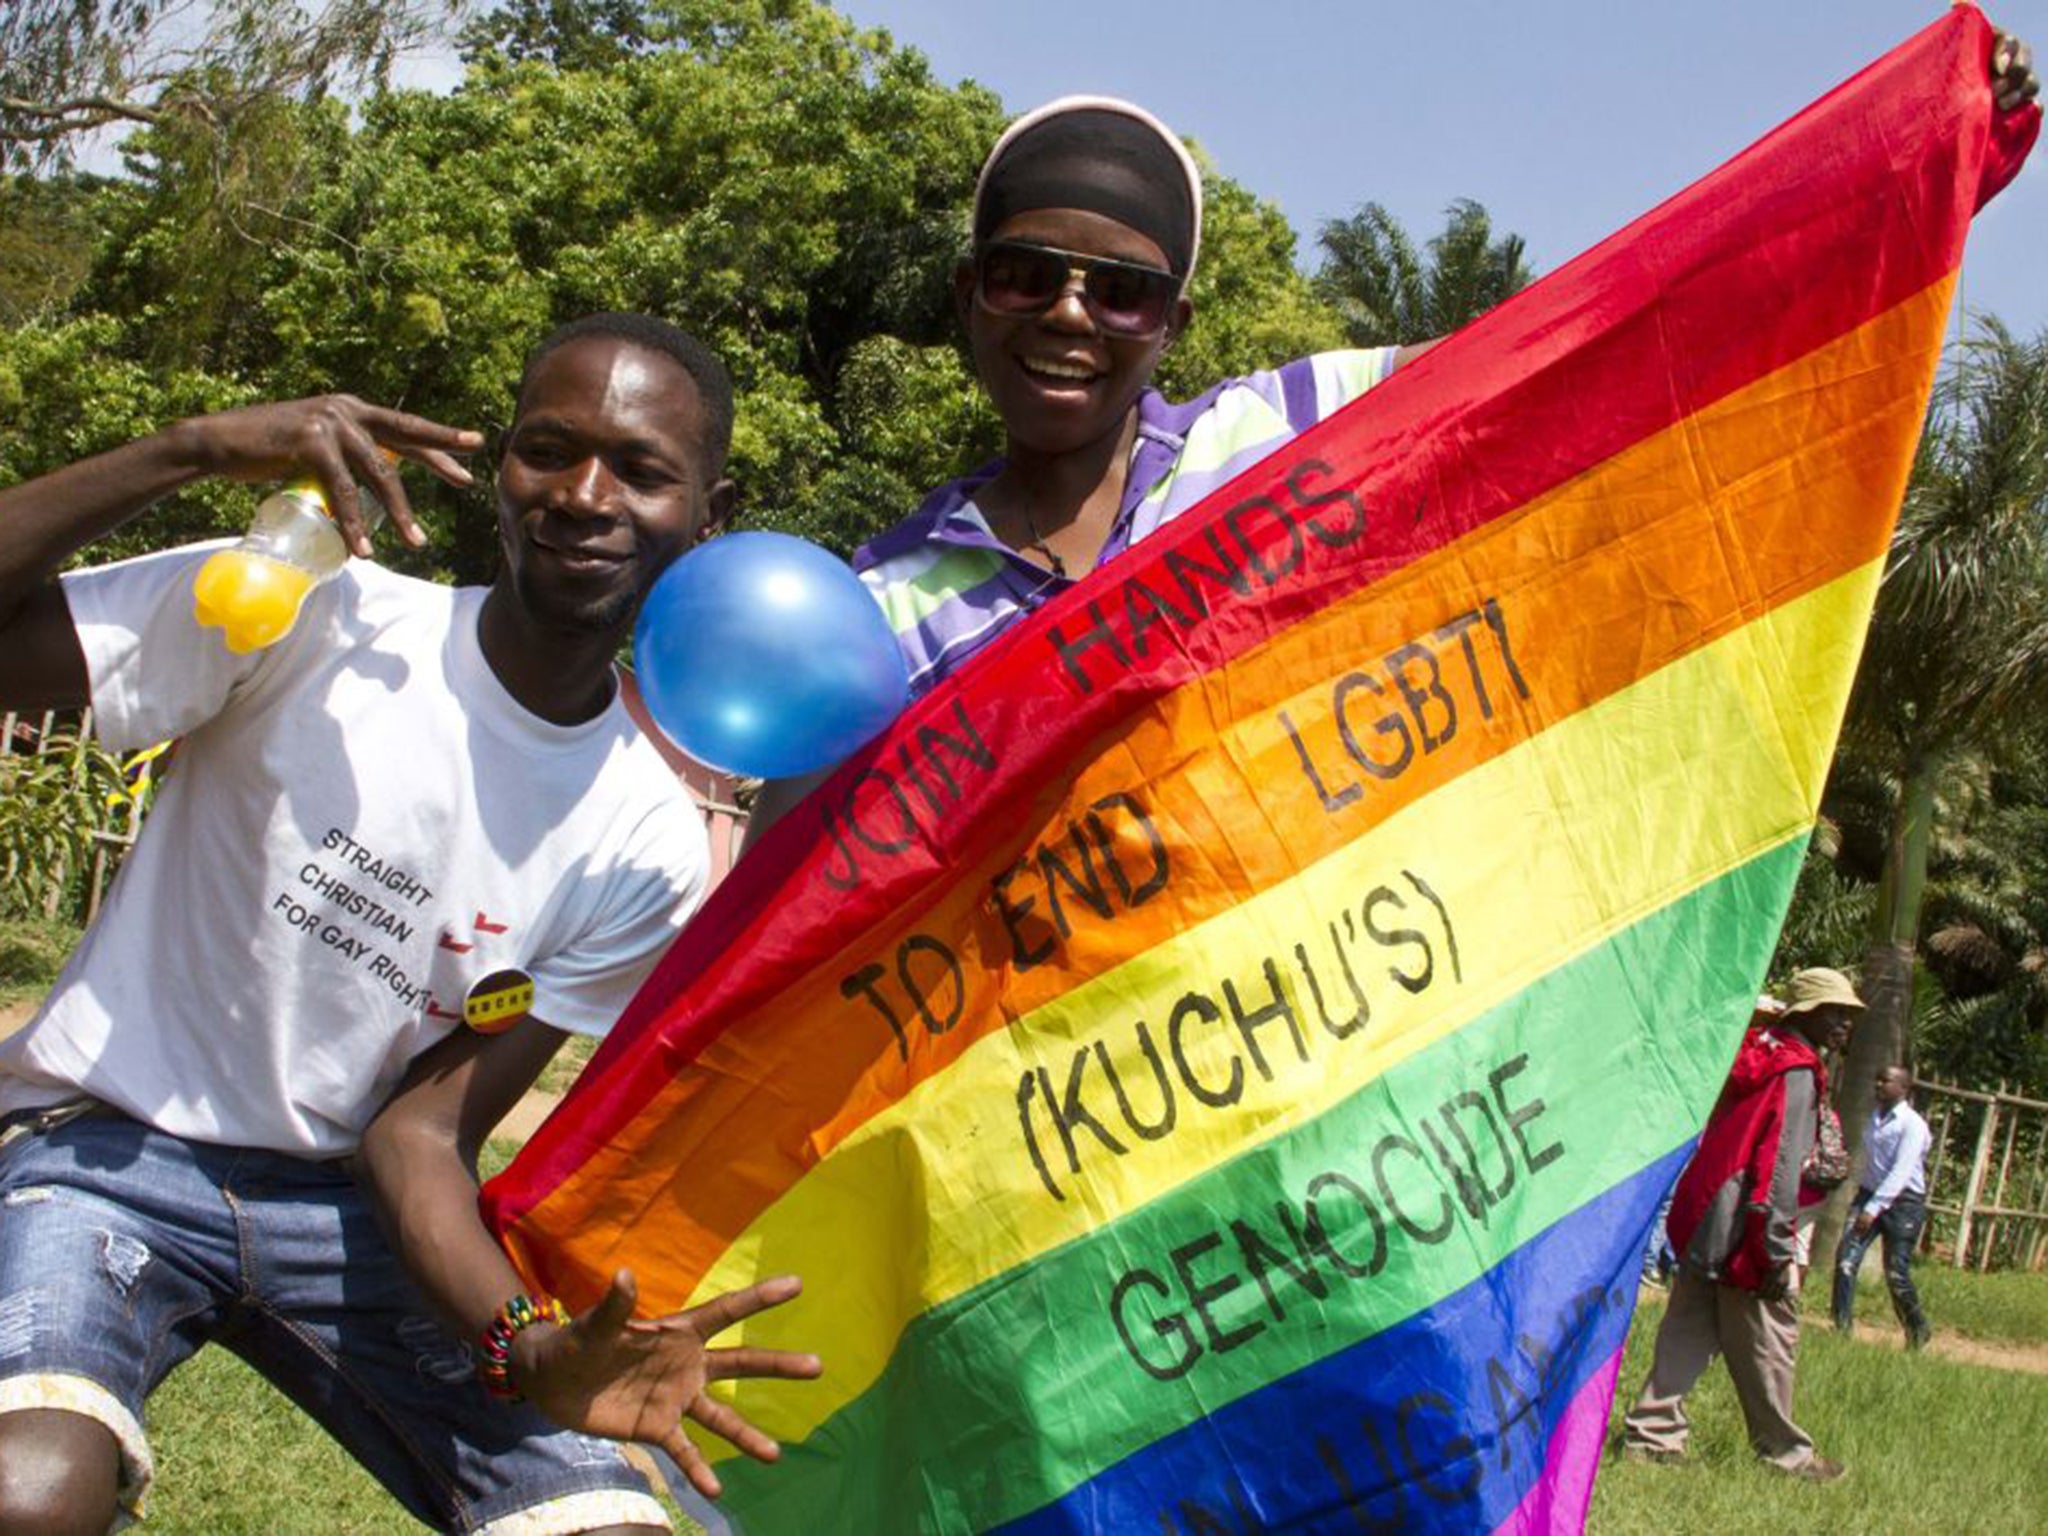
(1828, 920)
(1986, 921)
(1955, 669)
(1389, 293)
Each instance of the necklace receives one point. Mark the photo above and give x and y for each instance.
(1035, 541)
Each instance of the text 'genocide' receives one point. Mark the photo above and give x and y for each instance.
(1466, 1152)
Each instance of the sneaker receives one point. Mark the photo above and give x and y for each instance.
(1916, 1338)
(1816, 1469)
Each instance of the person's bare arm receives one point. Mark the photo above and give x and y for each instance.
(419, 1157)
(606, 1373)
(43, 522)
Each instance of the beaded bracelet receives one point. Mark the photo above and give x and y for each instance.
(513, 1318)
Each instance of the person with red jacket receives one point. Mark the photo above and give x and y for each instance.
(1732, 1223)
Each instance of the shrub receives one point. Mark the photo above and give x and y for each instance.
(53, 799)
(32, 952)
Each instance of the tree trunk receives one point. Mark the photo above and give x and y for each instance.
(1881, 1035)
(1884, 1030)
(1887, 991)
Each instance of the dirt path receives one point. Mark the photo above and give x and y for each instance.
(2004, 1355)
(527, 1115)
(2026, 1356)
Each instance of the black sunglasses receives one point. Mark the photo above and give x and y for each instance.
(1015, 278)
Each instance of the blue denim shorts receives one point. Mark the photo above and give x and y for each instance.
(122, 1250)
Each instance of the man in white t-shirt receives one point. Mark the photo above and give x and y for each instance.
(401, 852)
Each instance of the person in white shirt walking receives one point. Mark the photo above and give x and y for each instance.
(1892, 1201)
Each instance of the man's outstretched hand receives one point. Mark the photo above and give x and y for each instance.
(626, 1378)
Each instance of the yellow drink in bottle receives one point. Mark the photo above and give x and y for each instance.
(252, 599)
(252, 593)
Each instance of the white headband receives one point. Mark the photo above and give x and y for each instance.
(1066, 104)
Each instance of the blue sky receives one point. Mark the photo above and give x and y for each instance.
(1566, 118)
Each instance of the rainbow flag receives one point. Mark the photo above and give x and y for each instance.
(1215, 1060)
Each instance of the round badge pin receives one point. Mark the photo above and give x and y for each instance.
(498, 1002)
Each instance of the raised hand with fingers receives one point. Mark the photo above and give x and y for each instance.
(2013, 81)
(610, 1373)
(341, 440)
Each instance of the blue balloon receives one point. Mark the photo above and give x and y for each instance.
(762, 654)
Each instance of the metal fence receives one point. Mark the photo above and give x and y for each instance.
(1987, 1178)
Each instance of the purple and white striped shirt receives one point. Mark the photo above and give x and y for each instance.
(949, 586)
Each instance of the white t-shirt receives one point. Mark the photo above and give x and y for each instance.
(358, 826)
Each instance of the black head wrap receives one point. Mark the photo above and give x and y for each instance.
(1105, 157)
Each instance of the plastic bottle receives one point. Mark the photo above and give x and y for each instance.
(252, 593)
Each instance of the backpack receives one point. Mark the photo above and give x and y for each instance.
(1828, 1163)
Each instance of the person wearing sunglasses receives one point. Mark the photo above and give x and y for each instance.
(1087, 227)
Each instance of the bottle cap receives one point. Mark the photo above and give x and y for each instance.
(310, 489)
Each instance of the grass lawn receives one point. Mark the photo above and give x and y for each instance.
(1991, 1308)
(571, 1059)
(237, 1458)
(1932, 1445)
(32, 952)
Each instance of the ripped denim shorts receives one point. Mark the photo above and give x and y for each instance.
(123, 1250)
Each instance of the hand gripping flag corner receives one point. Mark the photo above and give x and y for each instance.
(1214, 1061)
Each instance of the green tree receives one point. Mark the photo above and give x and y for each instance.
(1253, 308)
(1828, 921)
(67, 391)
(49, 240)
(71, 67)
(1980, 990)
(53, 801)
(1956, 664)
(570, 34)
(1387, 292)
(789, 186)
(1980, 984)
